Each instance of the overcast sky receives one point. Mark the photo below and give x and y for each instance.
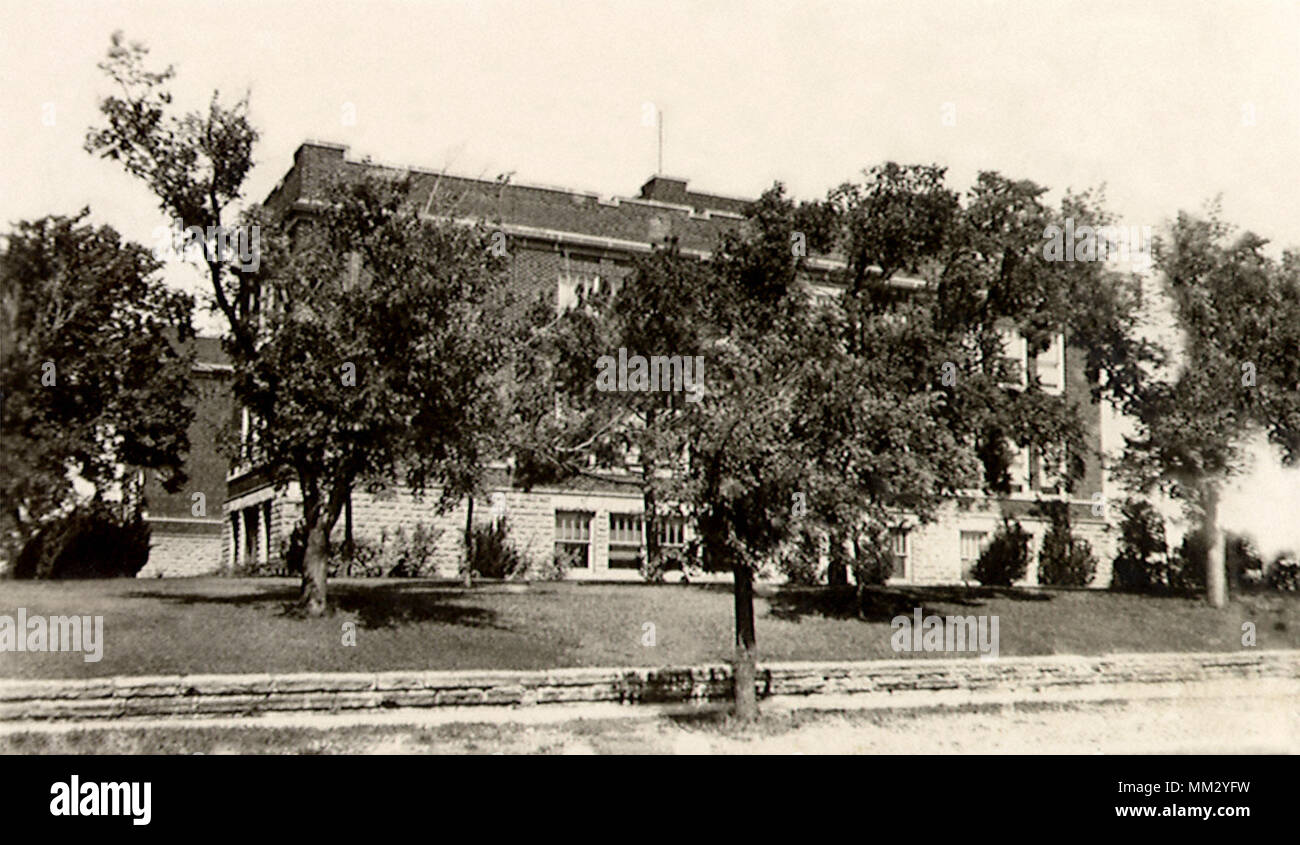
(1153, 98)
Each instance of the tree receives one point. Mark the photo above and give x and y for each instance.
(632, 436)
(93, 388)
(1239, 314)
(374, 363)
(194, 164)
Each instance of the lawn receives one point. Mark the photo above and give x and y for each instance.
(223, 625)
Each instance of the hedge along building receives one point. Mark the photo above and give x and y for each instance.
(561, 241)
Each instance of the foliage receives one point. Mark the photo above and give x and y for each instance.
(93, 387)
(874, 561)
(92, 541)
(799, 560)
(1142, 563)
(1238, 311)
(1063, 560)
(1284, 573)
(1006, 558)
(557, 567)
(493, 554)
(1188, 561)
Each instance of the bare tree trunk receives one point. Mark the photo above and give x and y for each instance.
(746, 665)
(1216, 578)
(653, 551)
(469, 542)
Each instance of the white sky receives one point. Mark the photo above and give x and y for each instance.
(1148, 97)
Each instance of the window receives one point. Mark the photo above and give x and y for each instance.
(578, 275)
(1018, 471)
(898, 545)
(1051, 367)
(972, 544)
(627, 538)
(573, 537)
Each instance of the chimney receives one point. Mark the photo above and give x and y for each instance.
(665, 189)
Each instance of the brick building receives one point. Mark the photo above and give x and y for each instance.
(560, 241)
(186, 526)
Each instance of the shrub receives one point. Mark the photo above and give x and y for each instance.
(1006, 558)
(1241, 558)
(493, 554)
(1064, 561)
(874, 560)
(395, 555)
(1143, 560)
(1284, 573)
(92, 541)
(1187, 563)
(800, 560)
(557, 568)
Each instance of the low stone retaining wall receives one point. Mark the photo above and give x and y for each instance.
(235, 695)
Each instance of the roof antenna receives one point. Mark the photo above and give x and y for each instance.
(660, 171)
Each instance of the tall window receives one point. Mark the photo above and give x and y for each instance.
(972, 544)
(573, 537)
(898, 544)
(626, 540)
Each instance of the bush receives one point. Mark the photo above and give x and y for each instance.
(1142, 564)
(493, 555)
(800, 560)
(874, 560)
(1241, 558)
(1006, 558)
(1064, 561)
(1284, 573)
(396, 555)
(1187, 563)
(90, 542)
(557, 568)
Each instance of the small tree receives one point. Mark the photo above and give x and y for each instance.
(1142, 562)
(1239, 313)
(1064, 560)
(374, 364)
(1006, 558)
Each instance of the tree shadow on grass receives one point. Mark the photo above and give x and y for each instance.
(378, 606)
(881, 604)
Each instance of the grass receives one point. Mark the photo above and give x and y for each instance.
(224, 625)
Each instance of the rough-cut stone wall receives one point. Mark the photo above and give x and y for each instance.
(173, 554)
(910, 682)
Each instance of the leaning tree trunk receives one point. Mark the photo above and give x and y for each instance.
(746, 665)
(1216, 577)
(318, 521)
